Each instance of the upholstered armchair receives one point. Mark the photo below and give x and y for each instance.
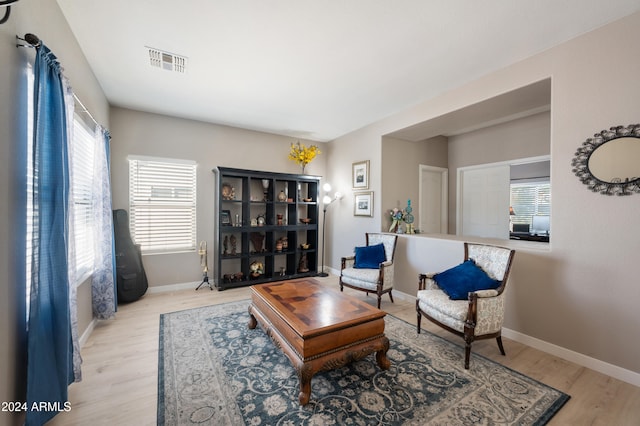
(468, 300)
(371, 268)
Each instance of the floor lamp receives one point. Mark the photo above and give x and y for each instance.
(326, 201)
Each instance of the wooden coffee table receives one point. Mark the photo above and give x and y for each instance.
(317, 328)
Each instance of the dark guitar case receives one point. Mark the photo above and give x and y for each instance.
(132, 280)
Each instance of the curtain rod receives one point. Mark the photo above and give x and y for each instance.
(7, 12)
(34, 41)
(85, 110)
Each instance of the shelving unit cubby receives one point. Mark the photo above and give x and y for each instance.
(258, 220)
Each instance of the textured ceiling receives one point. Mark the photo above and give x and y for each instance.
(313, 69)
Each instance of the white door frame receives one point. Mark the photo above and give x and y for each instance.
(444, 198)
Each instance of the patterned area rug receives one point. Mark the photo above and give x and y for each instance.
(213, 370)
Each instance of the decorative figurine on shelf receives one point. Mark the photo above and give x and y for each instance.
(397, 216)
(302, 265)
(228, 192)
(285, 243)
(233, 242)
(261, 220)
(257, 239)
(225, 244)
(282, 197)
(408, 218)
(265, 188)
(279, 217)
(257, 269)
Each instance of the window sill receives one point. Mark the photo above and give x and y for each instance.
(83, 278)
(156, 253)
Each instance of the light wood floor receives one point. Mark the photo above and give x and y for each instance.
(120, 368)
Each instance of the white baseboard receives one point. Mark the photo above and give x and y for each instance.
(614, 371)
(176, 287)
(575, 357)
(403, 296)
(331, 271)
(87, 332)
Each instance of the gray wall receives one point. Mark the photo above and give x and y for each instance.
(516, 139)
(581, 293)
(43, 18)
(210, 145)
(401, 161)
(522, 138)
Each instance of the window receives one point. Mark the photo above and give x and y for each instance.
(162, 204)
(530, 199)
(82, 155)
(82, 150)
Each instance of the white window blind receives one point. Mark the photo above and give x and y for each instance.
(83, 146)
(162, 204)
(529, 199)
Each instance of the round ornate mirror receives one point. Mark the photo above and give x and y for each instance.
(609, 163)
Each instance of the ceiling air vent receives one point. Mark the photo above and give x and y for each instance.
(167, 61)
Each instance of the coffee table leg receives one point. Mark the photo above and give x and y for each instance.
(381, 355)
(252, 320)
(305, 373)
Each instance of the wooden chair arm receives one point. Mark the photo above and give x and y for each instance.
(422, 280)
(486, 293)
(387, 264)
(472, 313)
(344, 260)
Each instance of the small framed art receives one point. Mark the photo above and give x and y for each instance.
(360, 172)
(225, 218)
(363, 204)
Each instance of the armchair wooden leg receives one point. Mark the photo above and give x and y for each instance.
(391, 297)
(419, 319)
(467, 355)
(469, 337)
(379, 300)
(499, 340)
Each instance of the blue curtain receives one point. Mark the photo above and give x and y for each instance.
(50, 346)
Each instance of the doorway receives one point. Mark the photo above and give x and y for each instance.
(434, 204)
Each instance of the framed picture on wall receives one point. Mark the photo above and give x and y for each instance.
(360, 172)
(363, 204)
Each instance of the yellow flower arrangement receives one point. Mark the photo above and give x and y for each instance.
(303, 155)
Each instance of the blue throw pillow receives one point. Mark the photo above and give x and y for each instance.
(467, 277)
(370, 257)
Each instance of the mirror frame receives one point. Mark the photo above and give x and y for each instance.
(580, 162)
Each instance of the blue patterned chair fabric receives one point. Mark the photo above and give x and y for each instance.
(378, 281)
(479, 317)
